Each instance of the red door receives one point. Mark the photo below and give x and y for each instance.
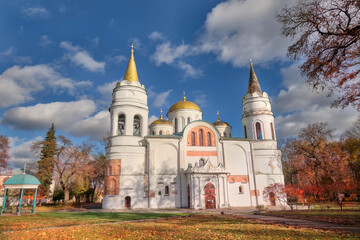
(210, 200)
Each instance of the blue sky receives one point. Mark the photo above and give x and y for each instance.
(59, 61)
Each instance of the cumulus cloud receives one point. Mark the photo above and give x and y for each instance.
(36, 12)
(298, 106)
(18, 84)
(78, 118)
(237, 30)
(82, 58)
(159, 99)
(44, 41)
(189, 71)
(115, 59)
(21, 153)
(107, 88)
(156, 36)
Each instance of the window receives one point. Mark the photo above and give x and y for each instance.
(201, 162)
(240, 189)
(137, 126)
(208, 139)
(188, 120)
(272, 131)
(245, 133)
(127, 202)
(166, 190)
(258, 131)
(160, 133)
(192, 139)
(201, 137)
(176, 125)
(121, 124)
(225, 134)
(153, 133)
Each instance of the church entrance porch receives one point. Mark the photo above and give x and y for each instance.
(210, 196)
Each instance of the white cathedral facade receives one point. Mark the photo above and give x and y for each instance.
(186, 162)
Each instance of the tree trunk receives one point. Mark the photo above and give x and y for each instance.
(66, 195)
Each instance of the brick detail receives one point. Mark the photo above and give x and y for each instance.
(252, 192)
(201, 153)
(238, 178)
(112, 177)
(152, 194)
(196, 130)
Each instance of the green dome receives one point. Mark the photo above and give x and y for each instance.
(22, 179)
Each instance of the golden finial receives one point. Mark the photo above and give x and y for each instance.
(251, 63)
(161, 116)
(218, 114)
(184, 98)
(131, 72)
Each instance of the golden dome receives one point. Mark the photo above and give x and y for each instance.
(161, 121)
(220, 123)
(184, 105)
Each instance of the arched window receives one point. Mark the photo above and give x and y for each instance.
(192, 139)
(127, 202)
(272, 131)
(176, 125)
(208, 139)
(137, 126)
(166, 190)
(201, 162)
(245, 133)
(201, 143)
(258, 131)
(188, 120)
(121, 124)
(160, 132)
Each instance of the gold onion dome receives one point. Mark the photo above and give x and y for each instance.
(184, 105)
(220, 123)
(131, 72)
(161, 121)
(254, 85)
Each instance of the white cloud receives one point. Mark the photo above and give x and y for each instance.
(10, 54)
(159, 99)
(152, 118)
(299, 106)
(115, 59)
(166, 53)
(237, 30)
(21, 152)
(82, 58)
(18, 84)
(157, 36)
(95, 126)
(36, 12)
(189, 71)
(44, 41)
(107, 88)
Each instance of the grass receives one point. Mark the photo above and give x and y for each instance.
(191, 227)
(332, 216)
(59, 219)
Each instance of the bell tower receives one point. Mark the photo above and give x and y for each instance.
(258, 120)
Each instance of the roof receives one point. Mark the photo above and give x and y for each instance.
(184, 105)
(22, 179)
(254, 85)
(220, 123)
(161, 121)
(131, 72)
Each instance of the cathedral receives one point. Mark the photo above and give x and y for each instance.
(184, 161)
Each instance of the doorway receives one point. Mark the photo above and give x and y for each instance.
(127, 202)
(210, 196)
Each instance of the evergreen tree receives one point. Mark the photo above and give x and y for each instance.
(46, 163)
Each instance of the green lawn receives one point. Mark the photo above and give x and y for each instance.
(334, 216)
(191, 227)
(57, 219)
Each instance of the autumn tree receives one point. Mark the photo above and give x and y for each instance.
(327, 36)
(46, 163)
(4, 152)
(319, 163)
(70, 161)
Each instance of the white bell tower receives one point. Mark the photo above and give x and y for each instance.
(258, 120)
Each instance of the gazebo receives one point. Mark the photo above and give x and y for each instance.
(21, 181)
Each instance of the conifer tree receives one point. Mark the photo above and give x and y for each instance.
(46, 162)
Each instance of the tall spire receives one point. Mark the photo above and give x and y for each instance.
(254, 85)
(131, 72)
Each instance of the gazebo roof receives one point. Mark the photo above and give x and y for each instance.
(22, 179)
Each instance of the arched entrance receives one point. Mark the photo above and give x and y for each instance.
(210, 200)
(127, 202)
